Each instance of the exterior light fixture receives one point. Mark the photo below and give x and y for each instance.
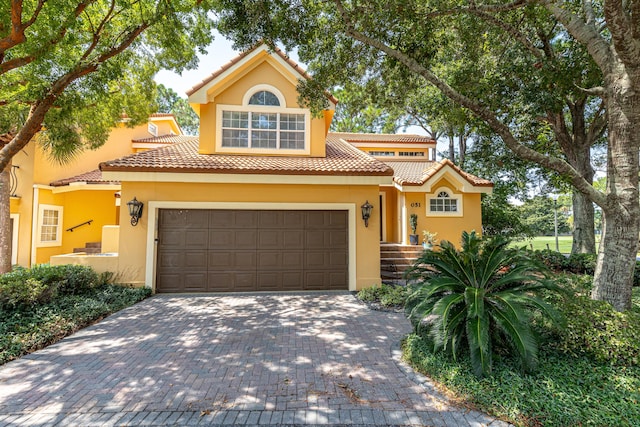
(135, 210)
(366, 212)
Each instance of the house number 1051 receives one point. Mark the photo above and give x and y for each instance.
(415, 204)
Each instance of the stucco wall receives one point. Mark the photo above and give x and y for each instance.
(448, 227)
(79, 206)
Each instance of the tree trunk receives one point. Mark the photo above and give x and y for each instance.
(5, 220)
(452, 147)
(584, 240)
(613, 279)
(584, 237)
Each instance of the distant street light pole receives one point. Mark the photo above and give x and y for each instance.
(555, 219)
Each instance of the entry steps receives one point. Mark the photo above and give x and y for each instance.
(395, 259)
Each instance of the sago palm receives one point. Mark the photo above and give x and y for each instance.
(477, 298)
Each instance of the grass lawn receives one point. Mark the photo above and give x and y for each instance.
(541, 242)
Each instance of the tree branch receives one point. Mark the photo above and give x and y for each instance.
(27, 59)
(585, 34)
(480, 111)
(39, 109)
(512, 31)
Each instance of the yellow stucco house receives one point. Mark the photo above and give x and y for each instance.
(266, 199)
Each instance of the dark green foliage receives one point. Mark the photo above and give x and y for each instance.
(500, 218)
(479, 300)
(574, 263)
(593, 329)
(538, 216)
(386, 295)
(33, 327)
(23, 287)
(588, 372)
(564, 391)
(170, 102)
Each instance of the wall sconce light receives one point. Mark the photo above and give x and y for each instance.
(366, 212)
(135, 210)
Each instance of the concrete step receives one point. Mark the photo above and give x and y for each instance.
(93, 245)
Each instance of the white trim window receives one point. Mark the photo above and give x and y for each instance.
(263, 124)
(444, 203)
(49, 225)
(15, 220)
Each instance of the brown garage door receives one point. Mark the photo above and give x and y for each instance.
(239, 250)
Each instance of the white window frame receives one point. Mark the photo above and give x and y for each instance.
(49, 243)
(14, 241)
(452, 196)
(282, 109)
(152, 128)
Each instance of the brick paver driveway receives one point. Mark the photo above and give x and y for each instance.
(228, 359)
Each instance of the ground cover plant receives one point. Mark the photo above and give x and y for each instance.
(588, 370)
(385, 295)
(43, 305)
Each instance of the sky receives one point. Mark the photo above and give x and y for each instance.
(218, 53)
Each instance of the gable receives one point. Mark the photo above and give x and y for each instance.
(231, 124)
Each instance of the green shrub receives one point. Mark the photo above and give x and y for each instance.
(551, 259)
(19, 290)
(42, 283)
(384, 294)
(565, 390)
(594, 329)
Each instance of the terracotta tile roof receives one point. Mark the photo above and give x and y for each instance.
(241, 56)
(342, 159)
(91, 177)
(384, 137)
(417, 173)
(166, 139)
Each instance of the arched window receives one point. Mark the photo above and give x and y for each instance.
(263, 122)
(264, 97)
(443, 202)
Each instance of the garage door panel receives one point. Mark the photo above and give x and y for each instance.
(169, 282)
(230, 238)
(171, 238)
(293, 239)
(269, 239)
(252, 250)
(196, 259)
(294, 219)
(195, 281)
(232, 281)
(183, 219)
(228, 261)
(196, 239)
(171, 259)
(337, 239)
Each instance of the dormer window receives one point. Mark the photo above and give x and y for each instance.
(263, 124)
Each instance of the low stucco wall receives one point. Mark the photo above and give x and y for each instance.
(99, 262)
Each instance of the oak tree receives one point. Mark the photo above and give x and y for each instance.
(69, 69)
